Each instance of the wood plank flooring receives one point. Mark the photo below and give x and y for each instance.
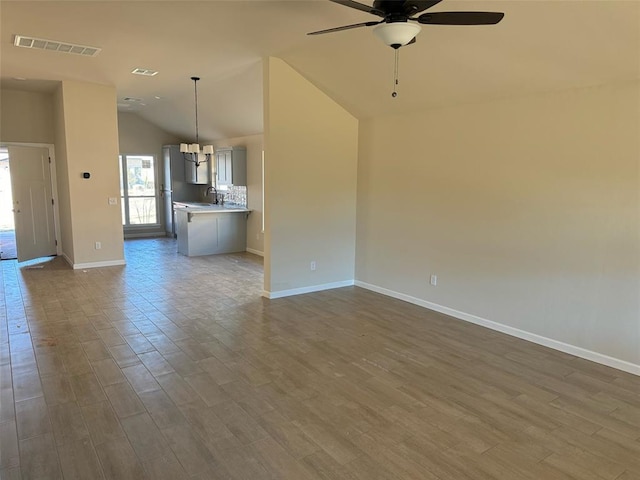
(176, 368)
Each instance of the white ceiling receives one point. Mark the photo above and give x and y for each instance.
(539, 46)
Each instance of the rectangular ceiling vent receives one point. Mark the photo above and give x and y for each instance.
(144, 71)
(132, 99)
(55, 46)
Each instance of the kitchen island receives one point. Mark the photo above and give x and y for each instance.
(205, 229)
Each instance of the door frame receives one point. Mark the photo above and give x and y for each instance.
(147, 229)
(54, 185)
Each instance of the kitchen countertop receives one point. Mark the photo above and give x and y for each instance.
(195, 207)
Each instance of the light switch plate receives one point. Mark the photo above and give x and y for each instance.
(113, 201)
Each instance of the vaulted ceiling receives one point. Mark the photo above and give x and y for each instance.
(540, 46)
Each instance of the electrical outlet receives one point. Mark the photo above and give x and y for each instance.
(434, 280)
(98, 245)
(313, 265)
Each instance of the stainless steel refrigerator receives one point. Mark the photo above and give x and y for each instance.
(174, 186)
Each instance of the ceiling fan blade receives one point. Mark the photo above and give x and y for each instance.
(359, 6)
(411, 7)
(346, 27)
(460, 18)
(413, 40)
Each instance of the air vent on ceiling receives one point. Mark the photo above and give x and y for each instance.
(144, 71)
(55, 46)
(132, 99)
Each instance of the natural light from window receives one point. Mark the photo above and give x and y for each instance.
(138, 190)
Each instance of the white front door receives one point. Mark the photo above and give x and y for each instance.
(32, 202)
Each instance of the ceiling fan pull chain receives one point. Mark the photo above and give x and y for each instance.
(394, 94)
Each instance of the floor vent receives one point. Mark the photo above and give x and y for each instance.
(55, 46)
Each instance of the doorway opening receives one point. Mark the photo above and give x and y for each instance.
(7, 225)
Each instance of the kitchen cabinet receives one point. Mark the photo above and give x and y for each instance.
(231, 166)
(197, 175)
(212, 229)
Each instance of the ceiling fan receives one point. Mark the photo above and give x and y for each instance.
(396, 30)
(399, 25)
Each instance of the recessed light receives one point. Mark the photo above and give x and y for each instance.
(147, 72)
(158, 98)
(19, 78)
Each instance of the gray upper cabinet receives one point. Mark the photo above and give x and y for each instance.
(197, 175)
(231, 166)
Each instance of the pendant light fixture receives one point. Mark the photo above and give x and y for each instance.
(191, 151)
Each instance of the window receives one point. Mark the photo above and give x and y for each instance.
(139, 196)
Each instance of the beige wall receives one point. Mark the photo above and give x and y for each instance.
(138, 136)
(90, 136)
(80, 120)
(527, 210)
(254, 145)
(26, 117)
(62, 176)
(310, 183)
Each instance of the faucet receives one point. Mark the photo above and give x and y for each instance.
(212, 189)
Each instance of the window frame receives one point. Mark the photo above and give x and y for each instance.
(125, 197)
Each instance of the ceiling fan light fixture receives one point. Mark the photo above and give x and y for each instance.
(397, 34)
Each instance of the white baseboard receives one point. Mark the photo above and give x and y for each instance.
(310, 289)
(107, 263)
(515, 332)
(67, 259)
(255, 252)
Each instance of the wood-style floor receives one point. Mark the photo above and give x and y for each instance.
(175, 367)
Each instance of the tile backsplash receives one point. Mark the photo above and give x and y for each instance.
(236, 195)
